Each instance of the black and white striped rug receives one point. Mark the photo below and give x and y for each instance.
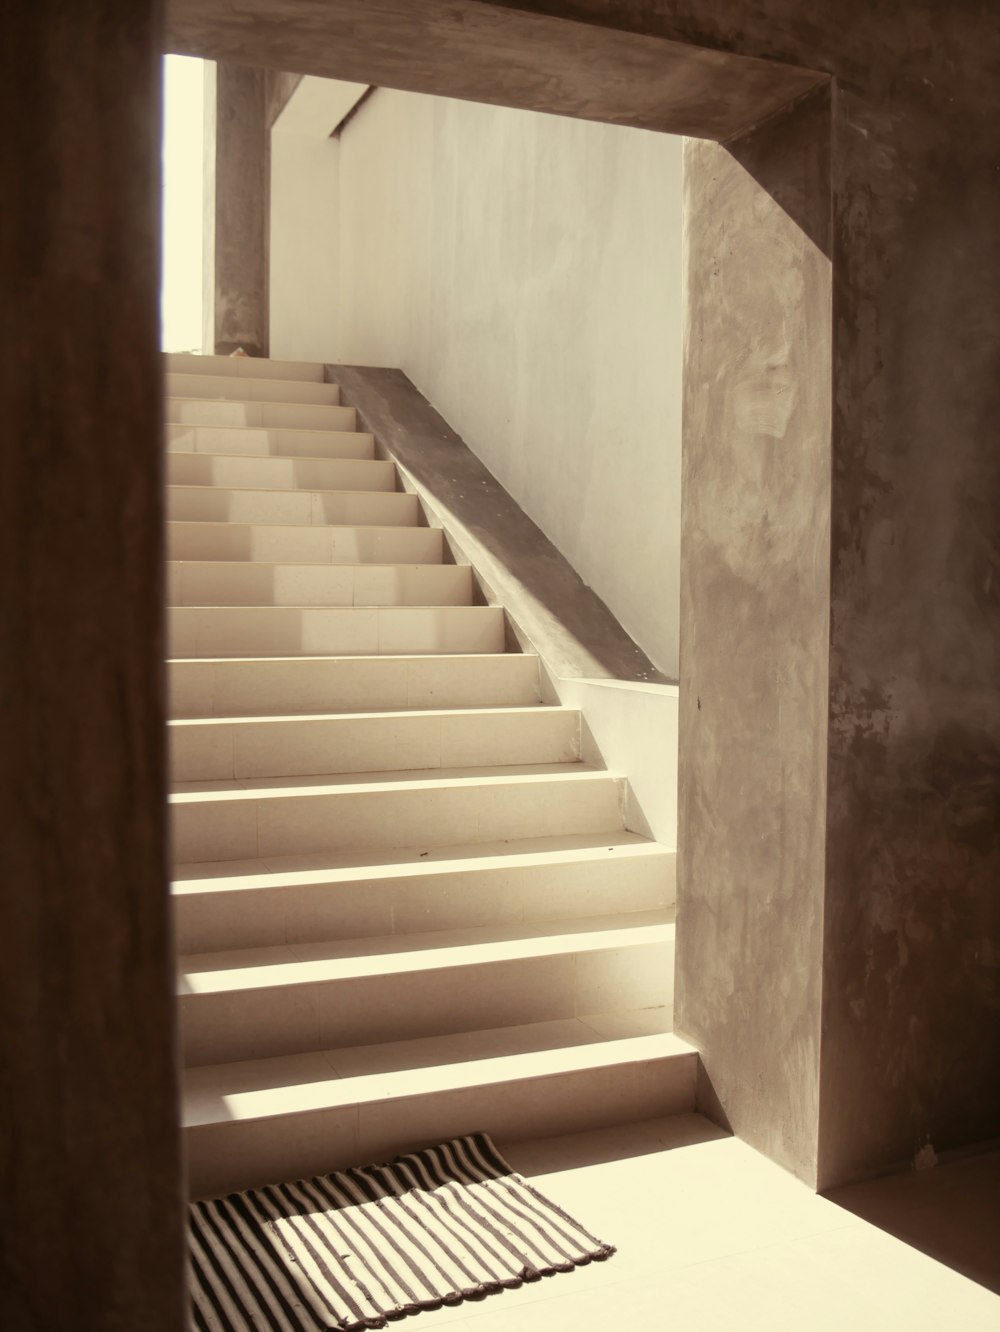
(358, 1247)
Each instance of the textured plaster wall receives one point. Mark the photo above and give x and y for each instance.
(524, 271)
(755, 633)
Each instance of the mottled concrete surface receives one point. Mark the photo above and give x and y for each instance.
(241, 208)
(90, 1234)
(910, 1009)
(492, 53)
(912, 942)
(755, 561)
(550, 609)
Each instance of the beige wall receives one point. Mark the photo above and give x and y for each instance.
(524, 271)
(303, 259)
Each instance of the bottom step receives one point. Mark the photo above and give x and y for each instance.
(268, 1120)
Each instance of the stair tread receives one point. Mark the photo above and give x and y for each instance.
(279, 490)
(262, 788)
(478, 657)
(268, 457)
(382, 955)
(212, 373)
(306, 606)
(354, 865)
(530, 709)
(383, 463)
(296, 527)
(321, 564)
(284, 430)
(327, 1079)
(198, 362)
(251, 402)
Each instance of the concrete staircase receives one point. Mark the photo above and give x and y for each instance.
(405, 907)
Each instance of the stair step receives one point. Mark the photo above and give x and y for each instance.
(289, 999)
(268, 473)
(283, 631)
(247, 687)
(211, 749)
(268, 441)
(242, 388)
(297, 544)
(248, 367)
(385, 508)
(255, 1122)
(303, 416)
(398, 892)
(303, 899)
(242, 583)
(283, 816)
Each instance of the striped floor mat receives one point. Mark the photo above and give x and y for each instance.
(358, 1247)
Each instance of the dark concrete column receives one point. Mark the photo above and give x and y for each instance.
(911, 952)
(755, 606)
(242, 184)
(90, 1225)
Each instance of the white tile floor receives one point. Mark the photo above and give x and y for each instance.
(712, 1237)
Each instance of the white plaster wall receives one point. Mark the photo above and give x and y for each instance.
(525, 272)
(632, 728)
(303, 278)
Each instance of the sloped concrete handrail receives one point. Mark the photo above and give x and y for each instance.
(549, 607)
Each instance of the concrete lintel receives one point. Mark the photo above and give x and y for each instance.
(490, 53)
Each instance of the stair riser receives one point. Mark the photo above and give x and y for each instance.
(203, 469)
(261, 442)
(278, 631)
(296, 1019)
(212, 921)
(372, 744)
(306, 545)
(280, 688)
(299, 507)
(195, 583)
(244, 827)
(242, 1154)
(296, 416)
(244, 389)
(249, 367)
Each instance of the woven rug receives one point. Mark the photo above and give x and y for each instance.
(356, 1248)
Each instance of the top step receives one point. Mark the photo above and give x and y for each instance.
(244, 389)
(245, 367)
